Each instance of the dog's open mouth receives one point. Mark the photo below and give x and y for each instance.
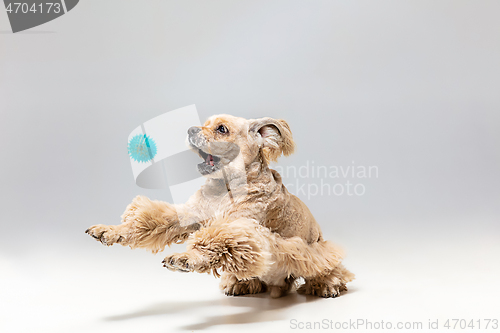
(221, 154)
(210, 163)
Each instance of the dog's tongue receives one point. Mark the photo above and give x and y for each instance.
(210, 160)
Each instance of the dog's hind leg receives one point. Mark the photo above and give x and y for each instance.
(319, 263)
(240, 247)
(147, 224)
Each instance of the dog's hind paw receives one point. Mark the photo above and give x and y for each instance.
(105, 234)
(325, 290)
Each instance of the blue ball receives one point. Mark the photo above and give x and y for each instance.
(142, 148)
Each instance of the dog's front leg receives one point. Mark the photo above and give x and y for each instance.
(147, 224)
(240, 247)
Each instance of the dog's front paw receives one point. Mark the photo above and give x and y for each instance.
(107, 235)
(178, 262)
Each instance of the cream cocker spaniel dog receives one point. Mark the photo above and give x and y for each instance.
(242, 223)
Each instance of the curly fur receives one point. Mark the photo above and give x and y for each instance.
(242, 224)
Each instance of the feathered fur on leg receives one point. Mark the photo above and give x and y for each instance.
(236, 247)
(146, 224)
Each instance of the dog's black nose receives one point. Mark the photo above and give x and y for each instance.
(193, 130)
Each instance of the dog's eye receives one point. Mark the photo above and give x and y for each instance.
(222, 129)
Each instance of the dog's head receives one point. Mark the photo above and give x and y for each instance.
(231, 143)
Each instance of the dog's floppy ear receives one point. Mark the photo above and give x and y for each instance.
(274, 137)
